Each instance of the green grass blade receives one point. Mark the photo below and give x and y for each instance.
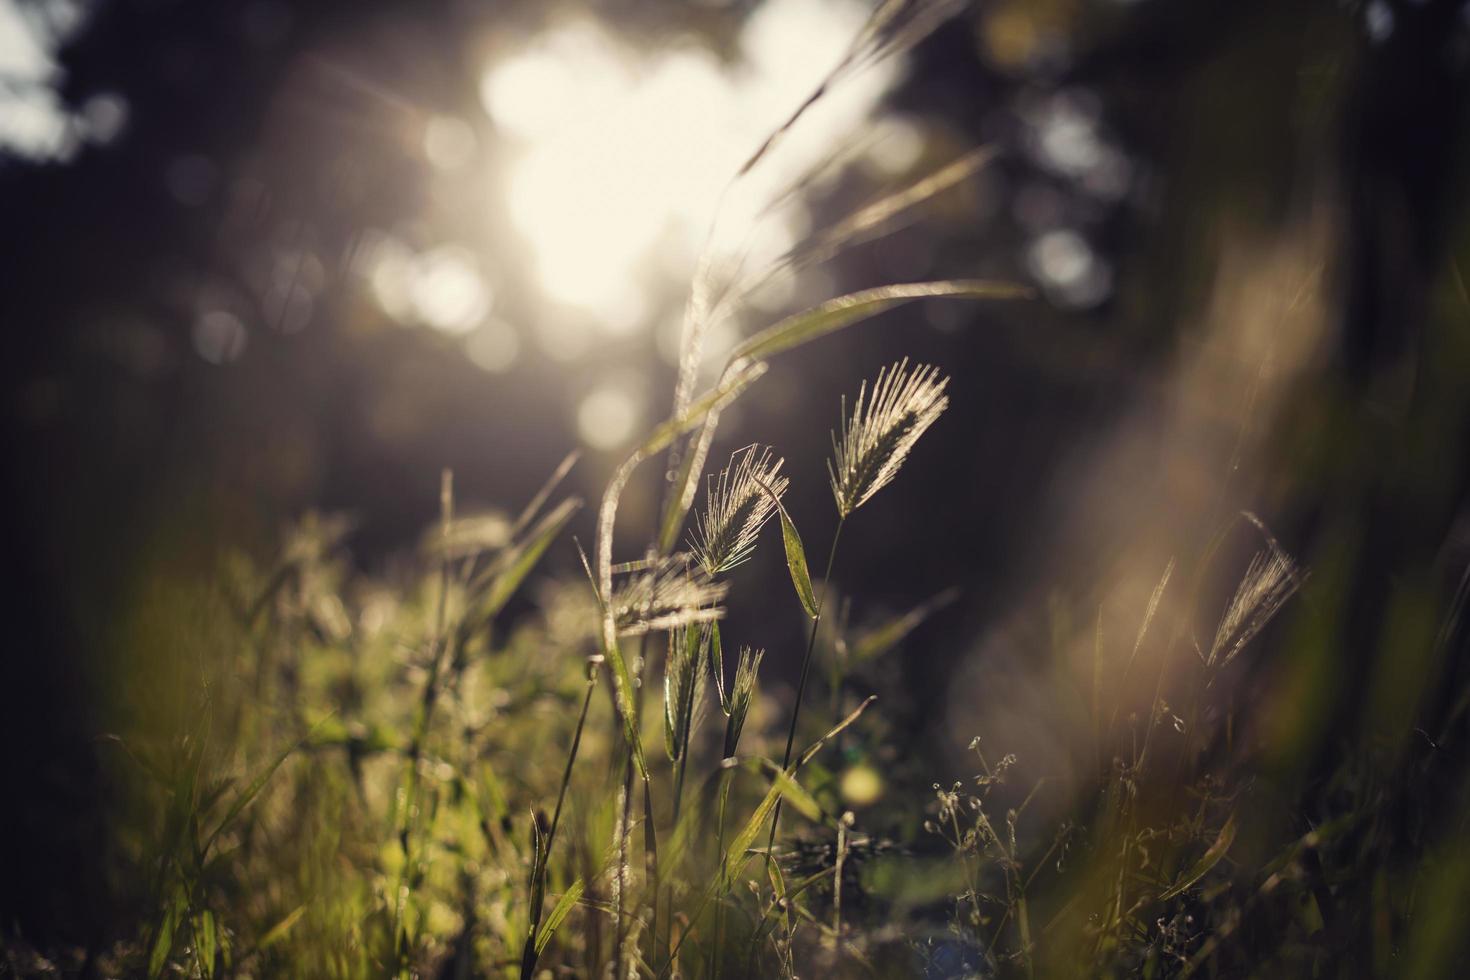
(783, 786)
(246, 795)
(843, 311)
(879, 641)
(559, 912)
(804, 802)
(1208, 860)
(526, 555)
(736, 857)
(815, 747)
(278, 931)
(801, 576)
(537, 502)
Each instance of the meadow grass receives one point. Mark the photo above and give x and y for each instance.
(338, 775)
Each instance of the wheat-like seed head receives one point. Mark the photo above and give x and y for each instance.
(1269, 581)
(742, 693)
(674, 593)
(736, 508)
(877, 438)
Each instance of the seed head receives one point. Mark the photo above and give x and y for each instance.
(736, 508)
(877, 438)
(741, 695)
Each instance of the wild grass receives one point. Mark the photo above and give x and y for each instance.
(351, 776)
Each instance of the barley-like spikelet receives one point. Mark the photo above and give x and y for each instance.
(675, 593)
(877, 438)
(741, 694)
(684, 686)
(736, 508)
(1269, 581)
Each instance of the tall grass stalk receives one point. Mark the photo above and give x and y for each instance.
(539, 865)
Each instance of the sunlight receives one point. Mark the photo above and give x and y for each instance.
(622, 155)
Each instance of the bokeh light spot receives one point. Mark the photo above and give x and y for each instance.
(446, 290)
(494, 347)
(608, 415)
(220, 337)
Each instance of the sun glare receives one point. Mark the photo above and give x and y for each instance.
(621, 155)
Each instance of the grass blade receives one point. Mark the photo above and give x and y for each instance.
(815, 747)
(879, 641)
(843, 311)
(246, 795)
(525, 557)
(559, 912)
(796, 562)
(1208, 860)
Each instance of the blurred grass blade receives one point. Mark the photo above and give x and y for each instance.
(879, 641)
(1202, 867)
(524, 558)
(873, 220)
(816, 746)
(558, 912)
(715, 398)
(206, 941)
(278, 931)
(801, 577)
(783, 786)
(246, 795)
(163, 941)
(842, 311)
(542, 495)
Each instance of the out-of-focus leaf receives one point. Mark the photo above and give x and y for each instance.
(246, 795)
(1207, 861)
(524, 558)
(842, 311)
(879, 641)
(206, 940)
(278, 931)
(815, 747)
(542, 495)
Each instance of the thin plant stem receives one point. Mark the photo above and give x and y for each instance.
(723, 885)
(806, 666)
(421, 727)
(528, 955)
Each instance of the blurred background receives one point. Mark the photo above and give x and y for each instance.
(266, 257)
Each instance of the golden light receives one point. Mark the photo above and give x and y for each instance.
(621, 156)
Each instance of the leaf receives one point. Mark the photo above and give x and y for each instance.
(278, 931)
(163, 942)
(1210, 858)
(815, 747)
(842, 311)
(783, 785)
(879, 641)
(249, 793)
(206, 941)
(623, 692)
(735, 858)
(539, 501)
(795, 556)
(717, 660)
(559, 912)
(525, 556)
(711, 401)
(798, 797)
